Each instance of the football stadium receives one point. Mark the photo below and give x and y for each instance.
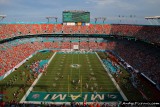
(78, 63)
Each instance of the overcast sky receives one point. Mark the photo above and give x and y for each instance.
(37, 10)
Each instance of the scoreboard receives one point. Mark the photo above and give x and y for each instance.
(76, 16)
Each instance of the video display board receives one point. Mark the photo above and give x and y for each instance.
(76, 16)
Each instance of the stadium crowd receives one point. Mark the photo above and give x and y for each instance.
(145, 33)
(144, 58)
(13, 30)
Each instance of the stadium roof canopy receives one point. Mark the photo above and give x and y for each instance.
(153, 17)
(74, 11)
(3, 16)
(154, 20)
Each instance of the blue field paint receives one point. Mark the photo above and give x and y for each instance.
(42, 63)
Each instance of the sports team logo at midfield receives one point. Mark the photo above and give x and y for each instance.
(35, 96)
(75, 65)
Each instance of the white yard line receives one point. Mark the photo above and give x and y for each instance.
(117, 86)
(34, 83)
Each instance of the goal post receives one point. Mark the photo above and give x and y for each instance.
(75, 47)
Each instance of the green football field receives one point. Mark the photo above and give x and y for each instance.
(75, 73)
(74, 76)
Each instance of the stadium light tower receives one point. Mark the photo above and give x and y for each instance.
(50, 17)
(104, 19)
(2, 17)
(95, 20)
(100, 18)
